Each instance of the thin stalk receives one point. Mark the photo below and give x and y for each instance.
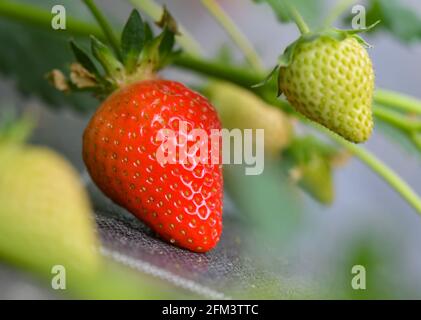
(298, 19)
(396, 119)
(338, 11)
(105, 26)
(398, 101)
(416, 140)
(240, 76)
(383, 171)
(33, 15)
(154, 10)
(234, 32)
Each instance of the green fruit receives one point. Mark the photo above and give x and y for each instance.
(45, 214)
(240, 108)
(331, 81)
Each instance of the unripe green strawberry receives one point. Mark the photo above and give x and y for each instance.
(45, 214)
(240, 108)
(330, 80)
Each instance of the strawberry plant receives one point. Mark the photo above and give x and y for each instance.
(319, 101)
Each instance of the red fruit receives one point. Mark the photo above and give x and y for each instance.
(181, 202)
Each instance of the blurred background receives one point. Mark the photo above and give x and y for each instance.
(367, 224)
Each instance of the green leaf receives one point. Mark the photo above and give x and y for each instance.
(397, 19)
(83, 58)
(132, 40)
(311, 10)
(29, 52)
(26, 60)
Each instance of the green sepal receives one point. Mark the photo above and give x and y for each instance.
(148, 32)
(341, 35)
(317, 180)
(168, 22)
(301, 149)
(285, 60)
(267, 79)
(159, 52)
(83, 58)
(143, 54)
(105, 56)
(358, 31)
(132, 40)
(166, 46)
(311, 160)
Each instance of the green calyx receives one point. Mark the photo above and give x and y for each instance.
(287, 57)
(140, 56)
(310, 165)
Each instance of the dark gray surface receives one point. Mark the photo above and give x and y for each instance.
(230, 270)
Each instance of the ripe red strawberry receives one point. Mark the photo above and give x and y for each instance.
(182, 203)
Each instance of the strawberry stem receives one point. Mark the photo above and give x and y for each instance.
(240, 76)
(382, 171)
(416, 140)
(105, 26)
(234, 32)
(398, 101)
(411, 128)
(34, 15)
(397, 119)
(298, 19)
(337, 11)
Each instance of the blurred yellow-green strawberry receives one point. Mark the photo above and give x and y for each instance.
(242, 109)
(45, 213)
(329, 78)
